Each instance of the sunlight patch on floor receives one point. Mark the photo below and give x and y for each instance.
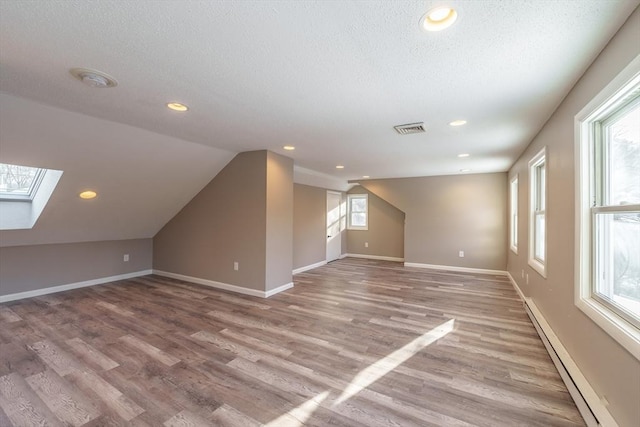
(300, 414)
(382, 367)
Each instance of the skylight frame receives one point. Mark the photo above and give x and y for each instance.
(33, 188)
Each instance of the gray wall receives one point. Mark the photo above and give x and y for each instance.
(222, 224)
(609, 368)
(446, 214)
(27, 268)
(386, 229)
(244, 215)
(309, 225)
(279, 249)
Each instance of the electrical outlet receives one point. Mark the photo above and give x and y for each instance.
(527, 278)
(236, 265)
(366, 244)
(523, 273)
(125, 258)
(461, 254)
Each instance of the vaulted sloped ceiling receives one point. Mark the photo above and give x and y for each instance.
(142, 178)
(331, 78)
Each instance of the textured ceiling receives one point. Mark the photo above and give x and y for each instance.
(331, 78)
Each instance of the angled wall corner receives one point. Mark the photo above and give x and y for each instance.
(243, 216)
(448, 214)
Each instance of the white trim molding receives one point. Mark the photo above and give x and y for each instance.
(309, 267)
(70, 286)
(452, 268)
(225, 286)
(589, 404)
(623, 87)
(376, 257)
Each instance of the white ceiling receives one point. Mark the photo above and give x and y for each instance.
(331, 78)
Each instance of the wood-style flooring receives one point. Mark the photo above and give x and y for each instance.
(354, 343)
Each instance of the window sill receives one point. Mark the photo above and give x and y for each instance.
(625, 334)
(358, 228)
(539, 267)
(514, 249)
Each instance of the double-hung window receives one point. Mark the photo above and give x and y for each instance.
(513, 214)
(608, 212)
(537, 212)
(358, 212)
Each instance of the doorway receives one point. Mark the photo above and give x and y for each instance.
(334, 237)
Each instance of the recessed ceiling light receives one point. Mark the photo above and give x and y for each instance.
(93, 78)
(365, 176)
(458, 123)
(176, 106)
(339, 167)
(439, 18)
(465, 170)
(463, 155)
(289, 147)
(88, 194)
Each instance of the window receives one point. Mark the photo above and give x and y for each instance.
(537, 212)
(608, 209)
(358, 216)
(24, 193)
(513, 214)
(19, 182)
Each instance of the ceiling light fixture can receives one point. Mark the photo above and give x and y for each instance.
(176, 106)
(439, 18)
(289, 147)
(339, 167)
(93, 78)
(463, 155)
(458, 123)
(88, 195)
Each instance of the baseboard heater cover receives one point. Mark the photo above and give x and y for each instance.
(582, 405)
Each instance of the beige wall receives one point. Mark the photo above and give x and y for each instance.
(610, 369)
(309, 225)
(28, 268)
(244, 215)
(385, 235)
(447, 214)
(224, 223)
(279, 249)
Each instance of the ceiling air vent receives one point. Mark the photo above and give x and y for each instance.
(410, 128)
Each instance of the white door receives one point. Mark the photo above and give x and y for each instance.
(334, 240)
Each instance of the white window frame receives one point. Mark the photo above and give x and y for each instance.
(613, 97)
(538, 207)
(513, 214)
(33, 188)
(366, 211)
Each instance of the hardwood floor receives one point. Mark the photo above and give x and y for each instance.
(354, 343)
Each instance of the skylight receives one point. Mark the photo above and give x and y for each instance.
(19, 182)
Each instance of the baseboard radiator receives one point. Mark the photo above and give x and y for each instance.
(574, 391)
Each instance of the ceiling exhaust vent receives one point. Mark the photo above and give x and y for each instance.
(410, 128)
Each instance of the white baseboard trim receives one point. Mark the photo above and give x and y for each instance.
(278, 289)
(452, 268)
(515, 286)
(67, 287)
(589, 404)
(224, 286)
(309, 267)
(376, 257)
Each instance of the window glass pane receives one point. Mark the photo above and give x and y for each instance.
(624, 164)
(17, 180)
(359, 219)
(539, 236)
(358, 205)
(542, 186)
(618, 259)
